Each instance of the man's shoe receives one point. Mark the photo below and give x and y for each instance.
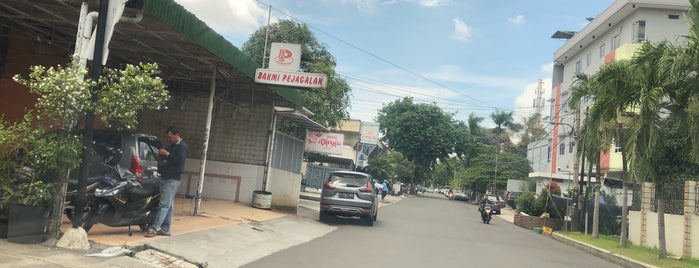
(150, 233)
(163, 233)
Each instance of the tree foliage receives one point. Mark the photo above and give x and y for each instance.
(423, 133)
(329, 105)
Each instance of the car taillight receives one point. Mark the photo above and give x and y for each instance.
(366, 189)
(136, 167)
(327, 185)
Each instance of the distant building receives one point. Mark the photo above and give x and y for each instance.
(614, 34)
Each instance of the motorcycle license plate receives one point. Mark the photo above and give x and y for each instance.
(347, 195)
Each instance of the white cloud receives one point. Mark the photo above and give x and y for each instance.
(547, 69)
(432, 3)
(246, 15)
(462, 31)
(517, 20)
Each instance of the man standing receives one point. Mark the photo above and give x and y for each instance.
(170, 169)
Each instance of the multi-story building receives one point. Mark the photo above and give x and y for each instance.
(615, 34)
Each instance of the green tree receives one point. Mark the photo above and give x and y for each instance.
(423, 133)
(479, 175)
(329, 105)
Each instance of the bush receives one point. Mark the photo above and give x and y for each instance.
(528, 203)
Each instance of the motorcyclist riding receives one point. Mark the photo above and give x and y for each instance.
(483, 202)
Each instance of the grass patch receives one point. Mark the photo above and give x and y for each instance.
(642, 254)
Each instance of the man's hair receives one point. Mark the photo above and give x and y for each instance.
(172, 129)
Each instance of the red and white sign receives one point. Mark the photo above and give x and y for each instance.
(285, 57)
(284, 66)
(292, 79)
(328, 143)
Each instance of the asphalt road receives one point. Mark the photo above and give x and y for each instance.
(429, 231)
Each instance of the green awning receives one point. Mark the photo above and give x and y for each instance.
(182, 20)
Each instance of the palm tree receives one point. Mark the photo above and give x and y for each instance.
(654, 104)
(609, 88)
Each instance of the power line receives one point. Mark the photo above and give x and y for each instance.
(376, 56)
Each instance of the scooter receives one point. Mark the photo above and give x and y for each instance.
(123, 202)
(111, 168)
(486, 213)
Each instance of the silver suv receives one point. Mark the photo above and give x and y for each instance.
(349, 194)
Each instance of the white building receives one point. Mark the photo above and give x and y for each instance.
(614, 34)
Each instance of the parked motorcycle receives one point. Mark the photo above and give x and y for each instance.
(486, 213)
(123, 202)
(109, 166)
(120, 199)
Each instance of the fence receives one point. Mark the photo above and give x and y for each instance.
(673, 197)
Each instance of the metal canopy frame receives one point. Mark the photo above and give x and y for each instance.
(183, 46)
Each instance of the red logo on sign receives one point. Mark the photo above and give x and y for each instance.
(284, 57)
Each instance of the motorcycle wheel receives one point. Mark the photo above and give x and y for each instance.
(90, 220)
(144, 227)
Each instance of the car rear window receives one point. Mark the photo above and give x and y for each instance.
(348, 180)
(148, 148)
(493, 198)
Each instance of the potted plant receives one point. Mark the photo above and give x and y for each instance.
(29, 175)
(65, 96)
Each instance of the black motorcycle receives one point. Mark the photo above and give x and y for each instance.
(123, 202)
(121, 199)
(486, 213)
(109, 167)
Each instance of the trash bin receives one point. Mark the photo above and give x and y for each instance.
(262, 199)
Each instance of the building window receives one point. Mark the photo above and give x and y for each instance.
(639, 31)
(616, 42)
(562, 149)
(578, 66)
(673, 17)
(570, 147)
(602, 50)
(548, 157)
(588, 59)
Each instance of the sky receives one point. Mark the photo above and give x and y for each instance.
(466, 56)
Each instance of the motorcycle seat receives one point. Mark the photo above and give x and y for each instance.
(145, 191)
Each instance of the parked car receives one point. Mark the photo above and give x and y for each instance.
(511, 197)
(349, 194)
(139, 153)
(498, 201)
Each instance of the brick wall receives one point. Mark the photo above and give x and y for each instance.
(239, 135)
(530, 222)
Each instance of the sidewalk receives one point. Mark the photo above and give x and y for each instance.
(508, 214)
(227, 234)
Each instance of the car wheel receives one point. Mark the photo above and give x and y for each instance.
(376, 215)
(323, 217)
(368, 220)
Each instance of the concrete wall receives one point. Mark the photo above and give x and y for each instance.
(285, 188)
(681, 236)
(227, 181)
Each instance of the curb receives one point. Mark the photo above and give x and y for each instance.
(308, 197)
(602, 253)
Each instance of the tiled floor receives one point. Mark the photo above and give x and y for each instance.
(214, 213)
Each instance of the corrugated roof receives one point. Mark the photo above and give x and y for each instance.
(182, 20)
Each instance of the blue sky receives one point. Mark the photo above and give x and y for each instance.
(465, 55)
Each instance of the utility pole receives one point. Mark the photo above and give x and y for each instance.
(495, 176)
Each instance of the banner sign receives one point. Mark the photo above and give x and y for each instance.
(293, 79)
(370, 133)
(284, 66)
(327, 143)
